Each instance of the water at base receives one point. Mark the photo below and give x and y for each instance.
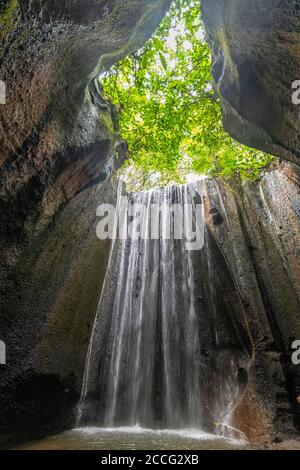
(134, 438)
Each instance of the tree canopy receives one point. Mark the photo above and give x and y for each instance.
(169, 113)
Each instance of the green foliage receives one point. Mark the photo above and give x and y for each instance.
(170, 116)
(7, 16)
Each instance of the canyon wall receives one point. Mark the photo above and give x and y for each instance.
(256, 226)
(58, 149)
(256, 59)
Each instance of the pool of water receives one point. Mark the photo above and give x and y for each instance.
(133, 438)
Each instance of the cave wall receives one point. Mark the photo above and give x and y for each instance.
(52, 293)
(58, 149)
(56, 132)
(256, 59)
(256, 224)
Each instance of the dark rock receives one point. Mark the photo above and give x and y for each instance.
(255, 61)
(217, 218)
(58, 144)
(267, 279)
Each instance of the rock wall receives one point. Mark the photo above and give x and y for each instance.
(257, 229)
(58, 146)
(56, 132)
(50, 298)
(256, 59)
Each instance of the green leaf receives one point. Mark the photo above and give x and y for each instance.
(163, 61)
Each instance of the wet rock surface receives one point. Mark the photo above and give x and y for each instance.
(259, 239)
(58, 146)
(255, 62)
(56, 131)
(256, 59)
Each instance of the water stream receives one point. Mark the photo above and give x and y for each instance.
(164, 351)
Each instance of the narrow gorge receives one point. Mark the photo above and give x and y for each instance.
(158, 344)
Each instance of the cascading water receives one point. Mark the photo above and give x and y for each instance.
(164, 351)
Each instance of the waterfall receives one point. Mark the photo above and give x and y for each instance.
(158, 355)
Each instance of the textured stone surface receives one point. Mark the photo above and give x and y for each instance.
(256, 58)
(57, 137)
(50, 298)
(259, 238)
(56, 132)
(57, 144)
